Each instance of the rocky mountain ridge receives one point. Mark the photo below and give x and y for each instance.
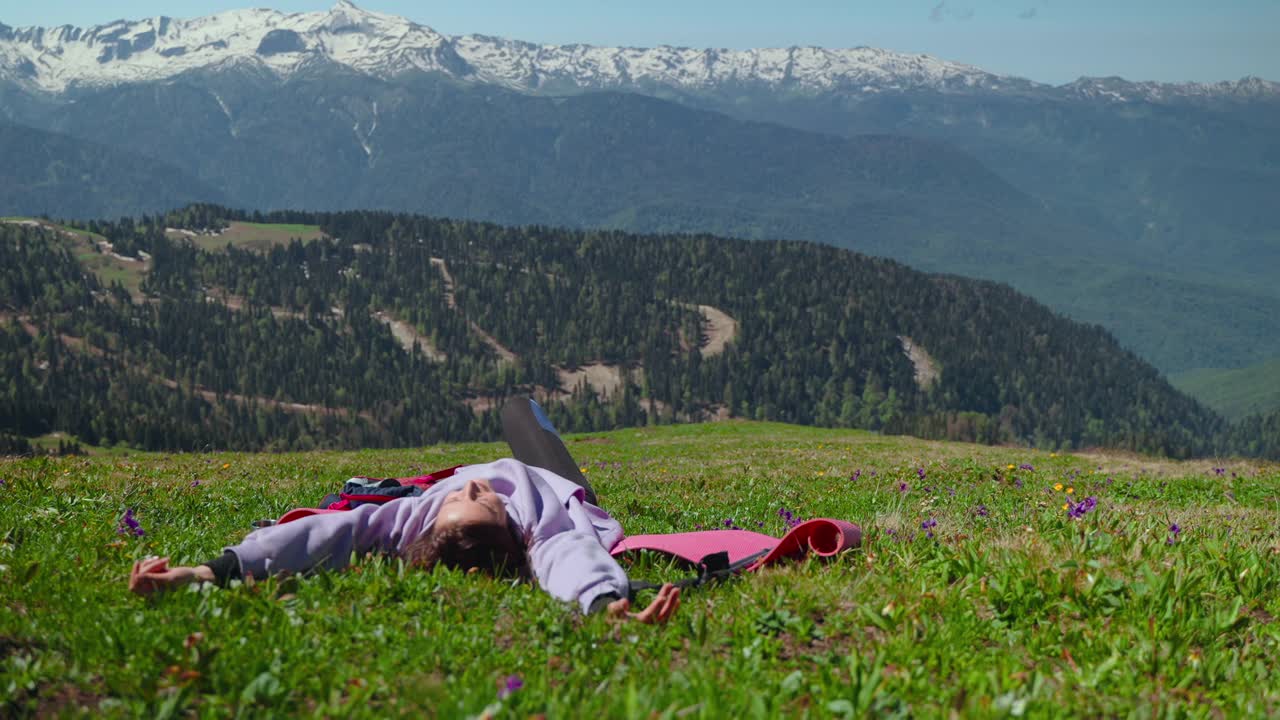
(53, 60)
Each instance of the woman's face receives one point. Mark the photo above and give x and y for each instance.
(475, 503)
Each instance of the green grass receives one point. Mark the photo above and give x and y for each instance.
(295, 229)
(254, 236)
(1236, 393)
(1021, 611)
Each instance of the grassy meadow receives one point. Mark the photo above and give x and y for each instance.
(993, 582)
(252, 236)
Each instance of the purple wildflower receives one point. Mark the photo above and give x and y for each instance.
(1220, 471)
(1174, 531)
(856, 474)
(195, 483)
(981, 511)
(788, 519)
(903, 487)
(1027, 466)
(1017, 482)
(928, 526)
(510, 686)
(920, 472)
(1078, 510)
(129, 525)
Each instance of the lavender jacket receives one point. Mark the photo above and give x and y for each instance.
(568, 538)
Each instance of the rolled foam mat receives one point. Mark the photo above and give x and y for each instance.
(823, 537)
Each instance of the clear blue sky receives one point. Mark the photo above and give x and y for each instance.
(1046, 40)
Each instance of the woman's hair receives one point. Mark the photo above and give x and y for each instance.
(497, 550)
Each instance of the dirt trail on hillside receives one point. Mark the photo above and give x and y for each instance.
(237, 303)
(80, 345)
(926, 368)
(504, 354)
(604, 379)
(721, 330)
(407, 335)
(292, 408)
(449, 300)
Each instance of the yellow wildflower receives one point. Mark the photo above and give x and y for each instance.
(821, 473)
(226, 465)
(1066, 506)
(1010, 466)
(1070, 490)
(1057, 488)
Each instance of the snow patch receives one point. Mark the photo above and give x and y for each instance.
(231, 123)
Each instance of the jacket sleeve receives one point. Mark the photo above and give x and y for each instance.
(322, 541)
(573, 566)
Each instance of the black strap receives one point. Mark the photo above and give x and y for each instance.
(711, 568)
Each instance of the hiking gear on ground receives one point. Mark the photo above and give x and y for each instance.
(721, 554)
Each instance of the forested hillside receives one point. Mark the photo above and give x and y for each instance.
(1257, 435)
(395, 329)
(1234, 393)
(46, 172)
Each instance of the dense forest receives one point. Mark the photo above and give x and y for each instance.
(217, 345)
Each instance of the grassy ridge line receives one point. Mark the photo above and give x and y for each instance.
(1012, 606)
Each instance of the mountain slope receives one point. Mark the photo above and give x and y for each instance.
(49, 173)
(1235, 393)
(329, 138)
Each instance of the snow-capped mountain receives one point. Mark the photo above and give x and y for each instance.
(1116, 89)
(52, 59)
(55, 59)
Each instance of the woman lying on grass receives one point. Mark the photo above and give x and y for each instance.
(505, 518)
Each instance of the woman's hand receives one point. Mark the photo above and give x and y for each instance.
(659, 611)
(154, 574)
